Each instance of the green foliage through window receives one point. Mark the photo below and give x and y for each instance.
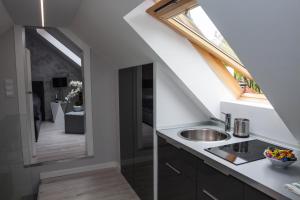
(249, 86)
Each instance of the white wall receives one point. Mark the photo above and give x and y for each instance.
(5, 20)
(264, 121)
(173, 106)
(15, 180)
(120, 49)
(104, 104)
(23, 181)
(265, 36)
(182, 58)
(105, 107)
(8, 71)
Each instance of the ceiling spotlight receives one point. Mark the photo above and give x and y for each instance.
(42, 13)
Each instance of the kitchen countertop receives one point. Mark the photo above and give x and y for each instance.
(259, 174)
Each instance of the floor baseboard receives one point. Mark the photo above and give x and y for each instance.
(87, 168)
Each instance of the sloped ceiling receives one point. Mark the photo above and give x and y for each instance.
(24, 12)
(5, 20)
(265, 35)
(60, 13)
(100, 23)
(28, 12)
(190, 70)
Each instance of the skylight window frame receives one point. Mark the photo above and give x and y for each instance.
(60, 46)
(215, 57)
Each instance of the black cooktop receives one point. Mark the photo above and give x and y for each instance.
(242, 152)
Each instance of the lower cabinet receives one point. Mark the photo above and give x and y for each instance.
(182, 176)
(253, 194)
(177, 174)
(214, 185)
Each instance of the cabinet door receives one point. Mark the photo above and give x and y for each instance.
(143, 180)
(176, 177)
(251, 194)
(136, 128)
(143, 139)
(214, 185)
(127, 122)
(173, 185)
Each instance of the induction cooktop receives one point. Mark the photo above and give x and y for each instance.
(242, 152)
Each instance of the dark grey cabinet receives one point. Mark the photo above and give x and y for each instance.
(177, 174)
(253, 194)
(182, 176)
(127, 95)
(213, 185)
(136, 128)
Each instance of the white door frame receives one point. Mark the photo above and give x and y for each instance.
(19, 34)
(29, 101)
(28, 149)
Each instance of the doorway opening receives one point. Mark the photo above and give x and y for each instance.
(55, 96)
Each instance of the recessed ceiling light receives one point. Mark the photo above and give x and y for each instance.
(42, 13)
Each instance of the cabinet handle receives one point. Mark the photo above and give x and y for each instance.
(209, 194)
(173, 168)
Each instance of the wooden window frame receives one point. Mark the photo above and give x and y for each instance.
(164, 10)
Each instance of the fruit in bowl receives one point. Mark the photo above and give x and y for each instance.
(280, 157)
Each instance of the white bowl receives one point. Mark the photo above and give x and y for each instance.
(77, 108)
(279, 163)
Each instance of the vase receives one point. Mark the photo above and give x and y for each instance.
(77, 108)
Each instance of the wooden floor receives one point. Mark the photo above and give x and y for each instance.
(56, 145)
(107, 184)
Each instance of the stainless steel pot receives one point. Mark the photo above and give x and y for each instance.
(241, 127)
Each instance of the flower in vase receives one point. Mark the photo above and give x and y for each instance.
(75, 91)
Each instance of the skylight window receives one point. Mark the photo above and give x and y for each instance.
(197, 21)
(189, 19)
(61, 47)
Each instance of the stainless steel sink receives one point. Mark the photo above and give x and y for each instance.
(204, 134)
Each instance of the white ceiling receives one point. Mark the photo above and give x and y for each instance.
(100, 23)
(5, 20)
(24, 12)
(60, 13)
(28, 12)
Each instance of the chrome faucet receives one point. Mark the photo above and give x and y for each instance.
(227, 121)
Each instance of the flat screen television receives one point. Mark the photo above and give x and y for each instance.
(59, 82)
